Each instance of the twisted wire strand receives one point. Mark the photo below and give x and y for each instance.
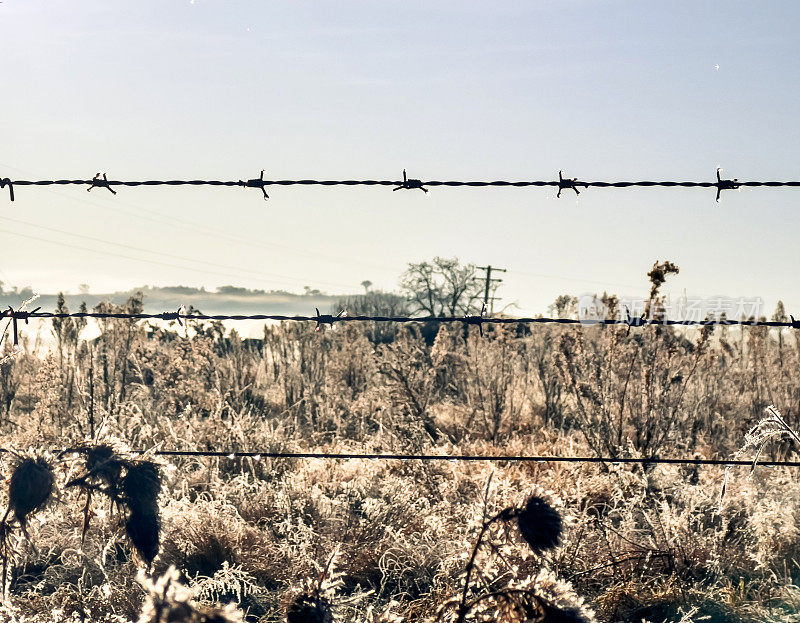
(330, 320)
(258, 455)
(453, 183)
(261, 183)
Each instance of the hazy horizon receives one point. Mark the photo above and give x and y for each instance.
(233, 299)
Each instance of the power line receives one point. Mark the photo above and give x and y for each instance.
(562, 183)
(266, 277)
(217, 234)
(131, 257)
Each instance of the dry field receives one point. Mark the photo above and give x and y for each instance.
(351, 540)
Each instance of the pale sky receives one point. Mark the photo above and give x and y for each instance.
(361, 90)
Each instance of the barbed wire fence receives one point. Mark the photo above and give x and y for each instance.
(21, 315)
(330, 320)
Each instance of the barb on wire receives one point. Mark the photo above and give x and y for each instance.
(256, 183)
(7, 182)
(408, 184)
(15, 315)
(568, 184)
(725, 184)
(101, 182)
(794, 324)
(634, 322)
(176, 315)
(327, 319)
(477, 320)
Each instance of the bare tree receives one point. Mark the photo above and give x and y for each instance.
(442, 287)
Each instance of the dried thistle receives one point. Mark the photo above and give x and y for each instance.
(104, 465)
(30, 488)
(127, 482)
(143, 528)
(141, 485)
(540, 524)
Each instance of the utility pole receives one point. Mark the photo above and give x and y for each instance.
(488, 301)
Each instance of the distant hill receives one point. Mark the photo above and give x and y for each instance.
(226, 300)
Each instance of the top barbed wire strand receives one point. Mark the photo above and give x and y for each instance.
(101, 181)
(578, 183)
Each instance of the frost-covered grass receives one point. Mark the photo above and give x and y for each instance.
(390, 540)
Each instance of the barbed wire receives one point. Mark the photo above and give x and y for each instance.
(562, 183)
(322, 320)
(330, 320)
(494, 458)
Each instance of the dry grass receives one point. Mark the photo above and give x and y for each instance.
(636, 543)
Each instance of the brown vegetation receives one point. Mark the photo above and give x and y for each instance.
(637, 543)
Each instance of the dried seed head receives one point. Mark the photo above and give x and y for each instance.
(141, 486)
(30, 487)
(540, 524)
(144, 531)
(309, 609)
(103, 461)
